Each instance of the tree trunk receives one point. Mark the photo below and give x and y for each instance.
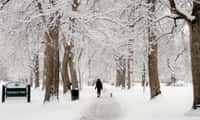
(152, 56)
(79, 72)
(195, 54)
(52, 62)
(56, 62)
(72, 63)
(118, 77)
(129, 73)
(65, 71)
(31, 78)
(36, 71)
(121, 73)
(153, 69)
(130, 63)
(73, 73)
(39, 5)
(48, 69)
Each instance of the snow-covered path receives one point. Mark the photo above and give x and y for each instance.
(103, 109)
(174, 104)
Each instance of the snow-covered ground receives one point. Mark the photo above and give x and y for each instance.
(174, 104)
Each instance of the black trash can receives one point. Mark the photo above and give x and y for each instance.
(75, 94)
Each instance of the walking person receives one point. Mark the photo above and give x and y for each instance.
(99, 87)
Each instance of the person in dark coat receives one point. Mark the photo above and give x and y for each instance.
(99, 87)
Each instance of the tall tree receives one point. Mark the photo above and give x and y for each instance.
(195, 53)
(130, 63)
(72, 61)
(52, 56)
(121, 72)
(65, 69)
(194, 24)
(152, 56)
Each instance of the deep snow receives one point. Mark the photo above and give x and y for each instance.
(174, 104)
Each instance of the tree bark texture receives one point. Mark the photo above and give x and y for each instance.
(195, 54)
(65, 69)
(72, 63)
(73, 72)
(52, 62)
(152, 56)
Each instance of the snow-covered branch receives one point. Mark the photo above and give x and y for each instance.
(180, 12)
(4, 3)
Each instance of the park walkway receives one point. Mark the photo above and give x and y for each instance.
(103, 108)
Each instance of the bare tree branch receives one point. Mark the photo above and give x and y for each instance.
(136, 21)
(170, 17)
(169, 65)
(4, 4)
(165, 34)
(178, 12)
(179, 54)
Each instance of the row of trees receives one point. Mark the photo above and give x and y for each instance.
(194, 25)
(67, 30)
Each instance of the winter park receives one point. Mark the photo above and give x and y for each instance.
(100, 59)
